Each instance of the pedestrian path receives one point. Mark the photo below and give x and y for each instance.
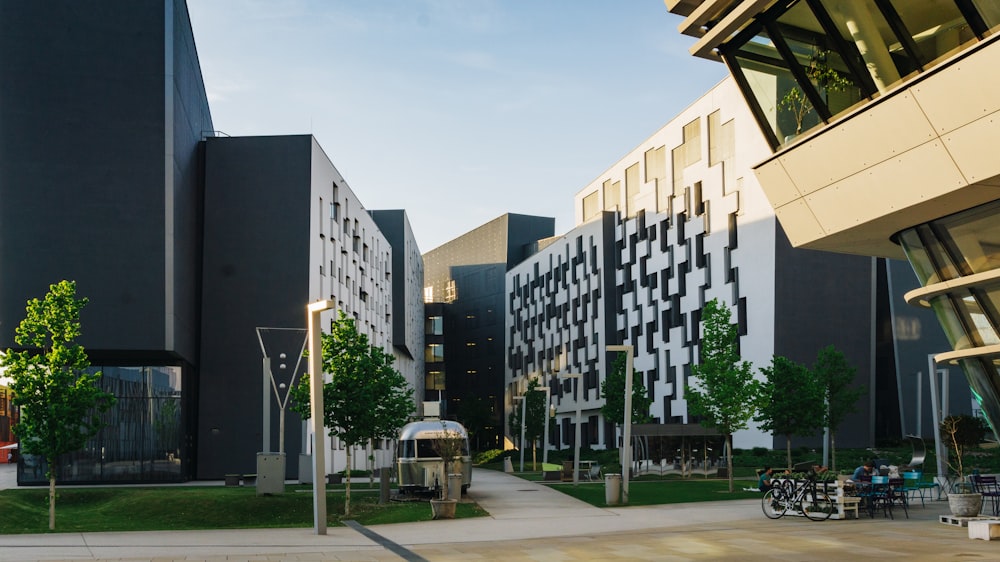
(530, 521)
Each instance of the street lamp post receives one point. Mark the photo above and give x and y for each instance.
(576, 444)
(314, 310)
(524, 409)
(627, 431)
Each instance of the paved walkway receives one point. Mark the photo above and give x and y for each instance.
(529, 521)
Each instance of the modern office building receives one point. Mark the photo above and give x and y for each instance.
(681, 220)
(881, 118)
(407, 310)
(466, 276)
(184, 241)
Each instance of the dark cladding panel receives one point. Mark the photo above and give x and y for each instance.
(85, 172)
(257, 209)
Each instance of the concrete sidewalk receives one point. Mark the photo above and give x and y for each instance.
(530, 521)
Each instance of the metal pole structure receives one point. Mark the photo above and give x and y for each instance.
(941, 455)
(545, 440)
(524, 426)
(920, 404)
(316, 380)
(576, 443)
(266, 432)
(627, 432)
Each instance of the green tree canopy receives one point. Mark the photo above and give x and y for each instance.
(725, 394)
(792, 401)
(60, 401)
(366, 398)
(613, 391)
(835, 376)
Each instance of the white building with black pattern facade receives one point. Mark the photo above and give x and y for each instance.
(678, 221)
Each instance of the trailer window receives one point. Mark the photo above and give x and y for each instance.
(406, 448)
(425, 449)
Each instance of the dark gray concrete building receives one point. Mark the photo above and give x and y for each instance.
(185, 242)
(100, 182)
(467, 276)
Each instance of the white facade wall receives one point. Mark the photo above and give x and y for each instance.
(697, 226)
(351, 264)
(556, 322)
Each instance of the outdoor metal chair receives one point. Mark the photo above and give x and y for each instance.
(897, 496)
(911, 485)
(988, 487)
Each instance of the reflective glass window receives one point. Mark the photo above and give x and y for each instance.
(975, 236)
(950, 322)
(936, 27)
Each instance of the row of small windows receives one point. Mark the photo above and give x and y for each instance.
(721, 150)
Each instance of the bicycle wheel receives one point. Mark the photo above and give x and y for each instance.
(821, 508)
(774, 503)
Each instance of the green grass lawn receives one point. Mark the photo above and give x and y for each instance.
(658, 492)
(195, 507)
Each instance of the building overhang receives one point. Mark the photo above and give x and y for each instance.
(920, 152)
(714, 22)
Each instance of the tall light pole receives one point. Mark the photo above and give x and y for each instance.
(627, 431)
(524, 409)
(576, 444)
(545, 439)
(316, 380)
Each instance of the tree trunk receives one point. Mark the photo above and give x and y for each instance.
(52, 497)
(534, 457)
(833, 452)
(347, 493)
(729, 459)
(788, 451)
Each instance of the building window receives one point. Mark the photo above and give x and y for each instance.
(429, 294)
(450, 291)
(434, 353)
(434, 380)
(631, 189)
(434, 326)
(612, 195)
(591, 206)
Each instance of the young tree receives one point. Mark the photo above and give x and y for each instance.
(476, 414)
(60, 401)
(792, 401)
(613, 391)
(725, 395)
(835, 375)
(366, 398)
(959, 434)
(534, 427)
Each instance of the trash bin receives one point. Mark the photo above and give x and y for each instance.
(507, 465)
(455, 486)
(612, 489)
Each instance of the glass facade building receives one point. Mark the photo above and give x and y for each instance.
(806, 63)
(144, 438)
(881, 115)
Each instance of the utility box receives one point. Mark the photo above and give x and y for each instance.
(270, 473)
(305, 468)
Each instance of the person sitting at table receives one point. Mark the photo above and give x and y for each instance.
(866, 469)
(764, 481)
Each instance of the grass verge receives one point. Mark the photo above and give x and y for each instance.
(195, 507)
(661, 492)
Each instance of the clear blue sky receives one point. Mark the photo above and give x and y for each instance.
(456, 110)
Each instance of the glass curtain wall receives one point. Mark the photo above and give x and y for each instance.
(957, 258)
(143, 437)
(802, 64)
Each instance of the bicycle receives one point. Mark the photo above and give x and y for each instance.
(782, 497)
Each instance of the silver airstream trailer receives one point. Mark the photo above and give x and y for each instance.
(420, 467)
